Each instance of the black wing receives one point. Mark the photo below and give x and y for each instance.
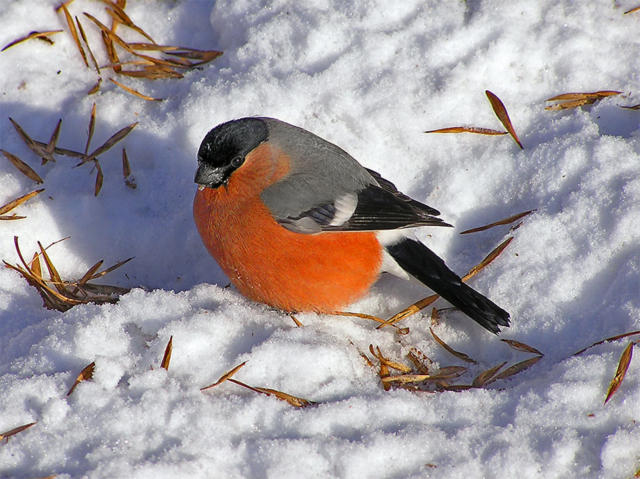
(391, 188)
(423, 264)
(375, 207)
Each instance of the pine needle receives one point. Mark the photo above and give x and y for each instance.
(623, 366)
(573, 100)
(4, 209)
(468, 129)
(225, 376)
(457, 354)
(15, 430)
(166, 359)
(74, 33)
(505, 221)
(135, 92)
(40, 35)
(487, 376)
(22, 167)
(518, 346)
(85, 375)
(503, 116)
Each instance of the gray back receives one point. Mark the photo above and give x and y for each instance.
(320, 172)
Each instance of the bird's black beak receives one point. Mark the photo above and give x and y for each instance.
(211, 177)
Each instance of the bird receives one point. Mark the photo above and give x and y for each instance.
(297, 223)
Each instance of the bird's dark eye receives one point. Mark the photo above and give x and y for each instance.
(237, 161)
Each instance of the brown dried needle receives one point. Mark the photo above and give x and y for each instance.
(22, 167)
(40, 35)
(623, 366)
(85, 374)
(4, 209)
(166, 359)
(501, 112)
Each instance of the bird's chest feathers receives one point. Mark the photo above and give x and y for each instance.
(231, 225)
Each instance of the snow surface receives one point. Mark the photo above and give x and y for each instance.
(370, 77)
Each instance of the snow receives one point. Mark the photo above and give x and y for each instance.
(370, 77)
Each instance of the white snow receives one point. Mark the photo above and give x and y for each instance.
(370, 77)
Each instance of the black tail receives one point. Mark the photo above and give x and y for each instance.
(422, 263)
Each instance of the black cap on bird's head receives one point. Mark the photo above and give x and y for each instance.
(225, 147)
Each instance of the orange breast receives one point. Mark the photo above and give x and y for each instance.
(268, 263)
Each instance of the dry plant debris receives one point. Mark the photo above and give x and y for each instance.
(382, 322)
(225, 376)
(166, 359)
(62, 295)
(383, 372)
(608, 340)
(435, 317)
(420, 360)
(409, 311)
(632, 10)
(423, 303)
(366, 358)
(86, 43)
(386, 363)
(487, 376)
(518, 367)
(22, 167)
(488, 259)
(296, 321)
(468, 129)
(518, 346)
(74, 32)
(144, 60)
(457, 354)
(44, 36)
(43, 150)
(293, 400)
(7, 434)
(623, 366)
(47, 151)
(441, 375)
(157, 61)
(501, 112)
(85, 375)
(15, 203)
(409, 378)
(107, 145)
(134, 92)
(421, 378)
(566, 101)
(129, 180)
(505, 221)
(91, 128)
(95, 88)
(358, 315)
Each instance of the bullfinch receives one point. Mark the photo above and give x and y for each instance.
(297, 223)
